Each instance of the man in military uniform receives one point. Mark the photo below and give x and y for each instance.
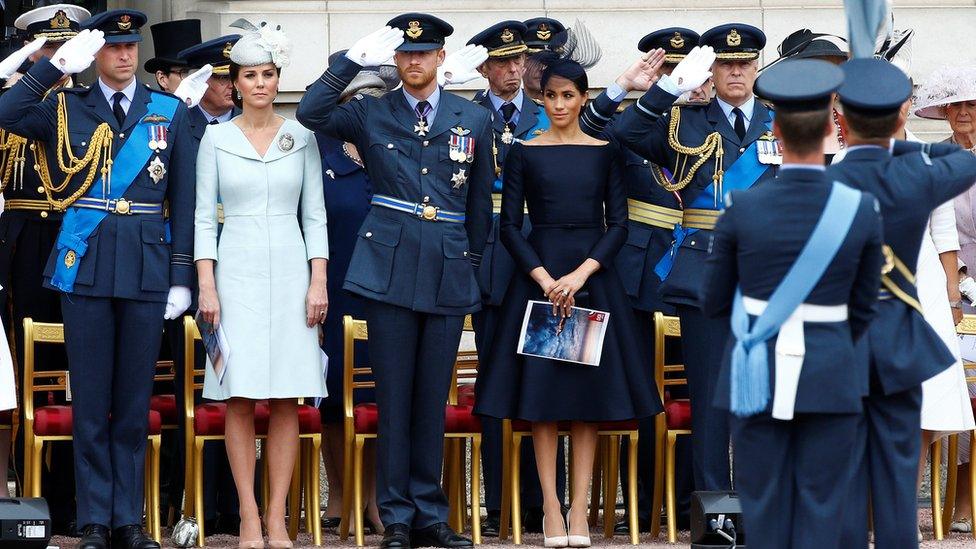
(169, 39)
(118, 267)
(709, 149)
(514, 117)
(29, 228)
(428, 155)
(900, 350)
(799, 297)
(542, 34)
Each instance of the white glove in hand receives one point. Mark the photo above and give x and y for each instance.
(13, 61)
(192, 88)
(967, 287)
(376, 47)
(177, 302)
(462, 65)
(77, 54)
(694, 69)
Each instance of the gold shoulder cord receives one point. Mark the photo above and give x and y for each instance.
(12, 157)
(711, 147)
(99, 152)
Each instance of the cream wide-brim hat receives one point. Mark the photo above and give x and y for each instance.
(945, 86)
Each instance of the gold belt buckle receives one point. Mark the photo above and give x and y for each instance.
(429, 213)
(122, 206)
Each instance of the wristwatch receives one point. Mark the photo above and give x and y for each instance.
(957, 304)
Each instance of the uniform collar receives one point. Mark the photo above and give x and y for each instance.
(129, 91)
(747, 108)
(220, 118)
(497, 102)
(434, 99)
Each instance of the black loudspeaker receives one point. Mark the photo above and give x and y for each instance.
(25, 523)
(716, 521)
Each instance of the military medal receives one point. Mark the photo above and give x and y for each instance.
(156, 170)
(459, 179)
(421, 128)
(507, 136)
(157, 137)
(769, 150)
(286, 142)
(462, 148)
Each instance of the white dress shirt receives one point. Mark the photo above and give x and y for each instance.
(129, 92)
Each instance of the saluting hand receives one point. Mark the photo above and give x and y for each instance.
(13, 61)
(192, 88)
(462, 65)
(643, 73)
(694, 69)
(78, 54)
(375, 48)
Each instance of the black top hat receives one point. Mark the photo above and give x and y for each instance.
(503, 39)
(421, 31)
(169, 39)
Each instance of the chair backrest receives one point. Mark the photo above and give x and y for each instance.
(465, 365)
(353, 377)
(165, 371)
(193, 376)
(40, 333)
(666, 327)
(968, 327)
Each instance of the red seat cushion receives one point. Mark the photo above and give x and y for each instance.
(461, 419)
(365, 418)
(166, 406)
(466, 395)
(6, 417)
(678, 413)
(309, 420)
(50, 421)
(209, 419)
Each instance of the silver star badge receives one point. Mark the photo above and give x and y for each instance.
(157, 170)
(459, 179)
(421, 128)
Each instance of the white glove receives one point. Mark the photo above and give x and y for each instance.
(967, 287)
(192, 88)
(13, 61)
(177, 302)
(694, 69)
(78, 54)
(376, 47)
(462, 65)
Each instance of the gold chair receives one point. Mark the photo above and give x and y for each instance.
(674, 422)
(54, 422)
(942, 516)
(360, 422)
(206, 422)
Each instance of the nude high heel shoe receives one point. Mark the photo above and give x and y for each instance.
(576, 541)
(557, 541)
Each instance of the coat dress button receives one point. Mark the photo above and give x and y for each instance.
(424, 171)
(389, 145)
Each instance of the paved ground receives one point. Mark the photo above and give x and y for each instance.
(925, 517)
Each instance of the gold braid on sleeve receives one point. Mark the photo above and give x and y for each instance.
(12, 156)
(99, 152)
(712, 147)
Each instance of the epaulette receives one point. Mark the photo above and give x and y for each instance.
(76, 89)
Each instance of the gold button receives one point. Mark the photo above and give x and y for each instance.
(83, 143)
(44, 215)
(424, 171)
(389, 145)
(40, 190)
(369, 234)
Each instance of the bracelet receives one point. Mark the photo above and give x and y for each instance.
(955, 304)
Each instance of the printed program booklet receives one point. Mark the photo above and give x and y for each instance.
(577, 338)
(215, 341)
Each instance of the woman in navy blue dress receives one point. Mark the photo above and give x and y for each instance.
(577, 203)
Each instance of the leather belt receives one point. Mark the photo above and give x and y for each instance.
(27, 204)
(694, 218)
(118, 207)
(652, 214)
(424, 211)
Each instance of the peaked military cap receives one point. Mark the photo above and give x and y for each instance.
(421, 31)
(216, 52)
(873, 85)
(169, 39)
(798, 85)
(505, 39)
(734, 41)
(119, 26)
(675, 41)
(56, 22)
(544, 33)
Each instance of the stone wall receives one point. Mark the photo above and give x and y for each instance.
(943, 27)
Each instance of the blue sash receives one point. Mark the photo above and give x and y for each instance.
(749, 361)
(79, 223)
(743, 173)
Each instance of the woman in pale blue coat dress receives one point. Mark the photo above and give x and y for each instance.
(263, 281)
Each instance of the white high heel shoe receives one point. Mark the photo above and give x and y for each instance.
(557, 541)
(576, 541)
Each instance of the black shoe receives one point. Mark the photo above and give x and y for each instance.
(94, 536)
(397, 536)
(532, 520)
(438, 535)
(491, 526)
(623, 526)
(132, 537)
(331, 523)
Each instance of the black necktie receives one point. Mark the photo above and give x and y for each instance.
(740, 123)
(117, 109)
(508, 111)
(423, 110)
(213, 121)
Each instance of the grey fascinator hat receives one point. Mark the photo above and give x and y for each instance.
(260, 44)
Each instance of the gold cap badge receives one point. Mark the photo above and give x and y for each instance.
(60, 21)
(507, 36)
(543, 33)
(733, 39)
(413, 29)
(125, 22)
(70, 258)
(677, 41)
